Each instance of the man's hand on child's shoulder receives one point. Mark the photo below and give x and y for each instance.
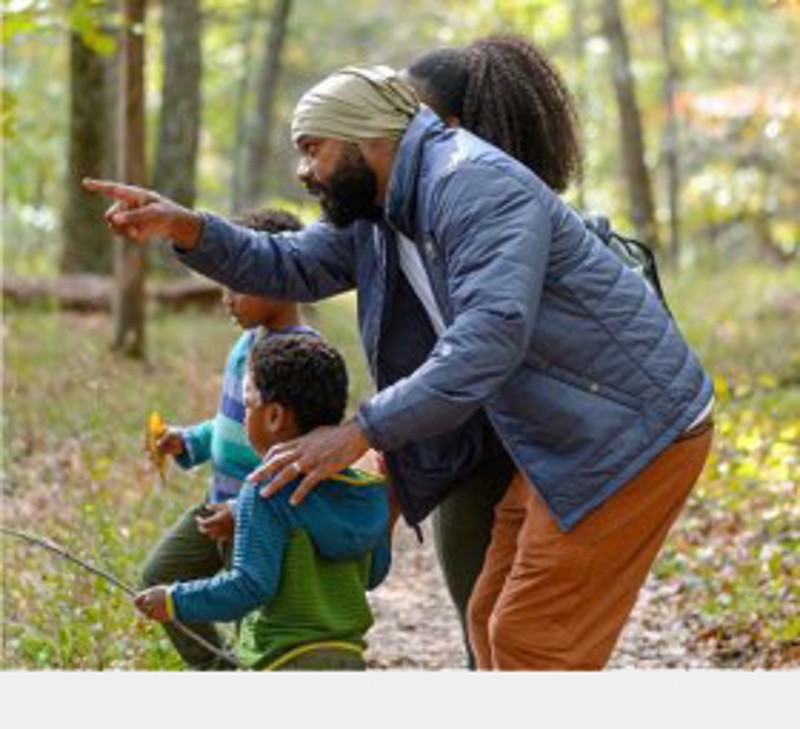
(154, 603)
(218, 521)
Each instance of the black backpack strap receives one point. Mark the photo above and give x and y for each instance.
(633, 253)
(644, 253)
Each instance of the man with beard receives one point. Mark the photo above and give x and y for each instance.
(498, 330)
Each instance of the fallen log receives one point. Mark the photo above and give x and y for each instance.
(187, 292)
(91, 293)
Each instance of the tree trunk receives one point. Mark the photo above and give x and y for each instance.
(671, 149)
(111, 102)
(129, 269)
(637, 175)
(179, 125)
(267, 81)
(87, 242)
(579, 49)
(238, 155)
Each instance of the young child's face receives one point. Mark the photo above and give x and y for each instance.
(252, 311)
(255, 417)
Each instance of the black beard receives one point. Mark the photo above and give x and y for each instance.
(350, 192)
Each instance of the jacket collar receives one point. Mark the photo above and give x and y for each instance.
(401, 195)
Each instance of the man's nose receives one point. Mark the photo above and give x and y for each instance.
(303, 171)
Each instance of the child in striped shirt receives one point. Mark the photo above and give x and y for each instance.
(196, 545)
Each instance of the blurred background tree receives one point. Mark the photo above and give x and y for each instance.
(87, 241)
(130, 260)
(732, 127)
(175, 169)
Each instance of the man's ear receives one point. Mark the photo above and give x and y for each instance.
(377, 152)
(379, 156)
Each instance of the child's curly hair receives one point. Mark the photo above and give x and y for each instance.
(304, 374)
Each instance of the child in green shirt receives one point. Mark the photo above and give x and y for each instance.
(299, 573)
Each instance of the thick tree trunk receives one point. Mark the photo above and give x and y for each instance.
(87, 242)
(129, 269)
(267, 81)
(637, 176)
(239, 152)
(671, 142)
(179, 126)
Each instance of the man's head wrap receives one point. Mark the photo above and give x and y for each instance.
(356, 103)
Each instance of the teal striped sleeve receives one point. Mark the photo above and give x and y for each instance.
(196, 444)
(262, 532)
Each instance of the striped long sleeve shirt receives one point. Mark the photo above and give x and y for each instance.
(223, 439)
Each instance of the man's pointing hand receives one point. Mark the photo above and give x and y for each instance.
(142, 214)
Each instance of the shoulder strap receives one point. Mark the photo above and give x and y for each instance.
(635, 254)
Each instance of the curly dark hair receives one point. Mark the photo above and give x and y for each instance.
(504, 89)
(268, 220)
(303, 373)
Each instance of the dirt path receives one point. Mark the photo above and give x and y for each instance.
(416, 626)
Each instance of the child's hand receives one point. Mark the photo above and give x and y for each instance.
(152, 603)
(171, 443)
(219, 524)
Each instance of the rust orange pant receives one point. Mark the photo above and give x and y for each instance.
(547, 599)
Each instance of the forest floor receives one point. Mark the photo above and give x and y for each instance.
(723, 593)
(416, 625)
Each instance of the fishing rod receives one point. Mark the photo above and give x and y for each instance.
(57, 549)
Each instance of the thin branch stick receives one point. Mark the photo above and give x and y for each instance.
(56, 549)
(127, 589)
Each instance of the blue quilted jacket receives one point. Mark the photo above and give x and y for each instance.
(554, 352)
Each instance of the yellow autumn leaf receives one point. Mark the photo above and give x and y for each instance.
(156, 427)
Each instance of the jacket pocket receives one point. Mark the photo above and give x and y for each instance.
(588, 385)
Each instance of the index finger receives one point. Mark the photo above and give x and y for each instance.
(118, 191)
(272, 464)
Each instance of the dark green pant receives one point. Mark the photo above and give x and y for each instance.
(185, 554)
(462, 530)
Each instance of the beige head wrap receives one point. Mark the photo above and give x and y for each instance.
(356, 103)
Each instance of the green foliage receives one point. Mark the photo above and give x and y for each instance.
(20, 19)
(8, 110)
(86, 18)
(732, 558)
(738, 160)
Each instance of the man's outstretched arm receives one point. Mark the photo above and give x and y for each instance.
(307, 265)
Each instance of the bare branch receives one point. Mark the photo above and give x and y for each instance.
(51, 546)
